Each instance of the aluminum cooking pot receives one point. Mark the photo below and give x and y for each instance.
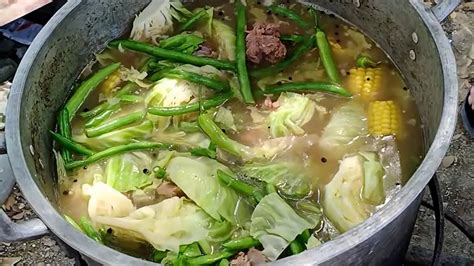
(407, 30)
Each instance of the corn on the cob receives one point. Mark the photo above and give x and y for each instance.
(384, 118)
(365, 82)
(112, 82)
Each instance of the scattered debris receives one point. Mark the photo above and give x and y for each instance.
(448, 161)
(9, 260)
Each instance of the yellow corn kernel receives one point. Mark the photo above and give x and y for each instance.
(365, 82)
(110, 83)
(384, 118)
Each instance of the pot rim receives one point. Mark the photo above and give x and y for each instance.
(103, 254)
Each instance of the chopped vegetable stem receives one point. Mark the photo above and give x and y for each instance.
(241, 243)
(296, 247)
(193, 20)
(173, 55)
(212, 258)
(292, 38)
(241, 57)
(224, 262)
(365, 62)
(89, 229)
(86, 87)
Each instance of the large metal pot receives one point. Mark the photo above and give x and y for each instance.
(407, 30)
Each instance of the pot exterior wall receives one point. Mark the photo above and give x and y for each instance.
(80, 29)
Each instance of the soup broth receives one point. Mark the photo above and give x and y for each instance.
(290, 153)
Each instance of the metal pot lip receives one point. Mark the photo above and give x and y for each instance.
(350, 239)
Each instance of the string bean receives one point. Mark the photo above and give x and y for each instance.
(212, 258)
(65, 131)
(241, 243)
(211, 83)
(70, 145)
(192, 107)
(308, 87)
(120, 149)
(241, 57)
(327, 59)
(86, 87)
(220, 139)
(173, 55)
(290, 14)
(296, 247)
(98, 119)
(292, 38)
(115, 124)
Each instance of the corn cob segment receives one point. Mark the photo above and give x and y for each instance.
(365, 82)
(113, 81)
(384, 118)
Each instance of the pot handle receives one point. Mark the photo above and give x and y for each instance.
(444, 8)
(9, 230)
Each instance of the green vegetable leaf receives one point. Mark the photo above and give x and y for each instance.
(342, 203)
(372, 186)
(287, 178)
(275, 224)
(126, 172)
(196, 176)
(294, 111)
(166, 225)
(186, 43)
(346, 125)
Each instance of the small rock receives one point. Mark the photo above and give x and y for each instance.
(9, 260)
(457, 136)
(49, 242)
(18, 216)
(9, 202)
(448, 161)
(469, 6)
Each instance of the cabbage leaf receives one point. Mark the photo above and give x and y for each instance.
(288, 179)
(225, 119)
(345, 126)
(224, 36)
(106, 201)
(156, 19)
(196, 176)
(125, 172)
(372, 185)
(294, 111)
(166, 225)
(342, 202)
(275, 224)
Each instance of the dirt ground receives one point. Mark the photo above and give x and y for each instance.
(456, 176)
